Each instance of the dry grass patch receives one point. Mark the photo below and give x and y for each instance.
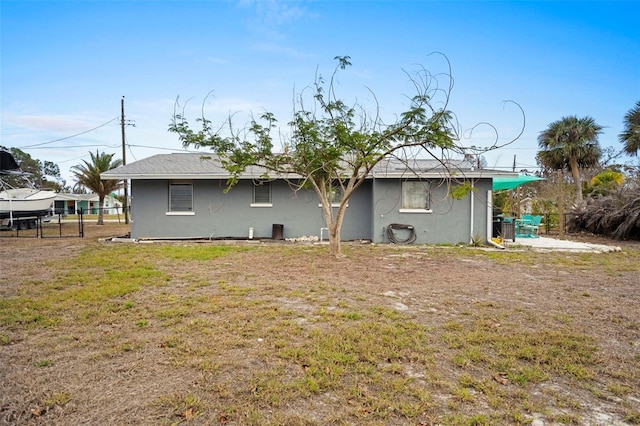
(202, 333)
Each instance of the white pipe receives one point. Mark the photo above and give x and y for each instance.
(472, 198)
(251, 233)
(322, 229)
(489, 215)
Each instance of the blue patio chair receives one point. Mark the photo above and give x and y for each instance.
(531, 225)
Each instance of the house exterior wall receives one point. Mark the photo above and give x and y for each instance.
(66, 206)
(219, 215)
(449, 221)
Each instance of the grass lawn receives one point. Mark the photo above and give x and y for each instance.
(282, 334)
(94, 217)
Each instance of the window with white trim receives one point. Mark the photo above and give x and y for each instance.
(181, 197)
(261, 194)
(336, 194)
(416, 195)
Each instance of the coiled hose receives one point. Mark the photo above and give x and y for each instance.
(394, 239)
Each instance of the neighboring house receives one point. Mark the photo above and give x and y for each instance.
(89, 203)
(183, 196)
(526, 205)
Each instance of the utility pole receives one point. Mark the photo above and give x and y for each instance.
(125, 204)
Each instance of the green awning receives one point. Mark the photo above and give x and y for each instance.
(502, 183)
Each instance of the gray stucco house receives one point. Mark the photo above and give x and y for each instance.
(183, 196)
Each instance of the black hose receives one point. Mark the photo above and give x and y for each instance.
(392, 235)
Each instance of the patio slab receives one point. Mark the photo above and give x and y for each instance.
(554, 244)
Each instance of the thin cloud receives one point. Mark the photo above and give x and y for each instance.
(273, 13)
(219, 61)
(52, 122)
(215, 107)
(232, 104)
(279, 49)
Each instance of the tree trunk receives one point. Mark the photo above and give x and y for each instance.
(100, 209)
(560, 205)
(575, 172)
(334, 223)
(335, 248)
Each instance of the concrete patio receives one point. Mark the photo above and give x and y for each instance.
(554, 244)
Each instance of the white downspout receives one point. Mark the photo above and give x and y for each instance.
(472, 212)
(489, 215)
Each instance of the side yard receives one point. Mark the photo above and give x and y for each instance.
(279, 333)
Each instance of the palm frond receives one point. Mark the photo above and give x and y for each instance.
(630, 136)
(616, 215)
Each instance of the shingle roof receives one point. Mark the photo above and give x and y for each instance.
(162, 166)
(206, 166)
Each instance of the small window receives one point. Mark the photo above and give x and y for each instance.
(181, 197)
(336, 195)
(416, 195)
(261, 194)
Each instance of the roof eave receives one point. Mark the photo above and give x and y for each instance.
(158, 176)
(398, 175)
(440, 175)
(185, 176)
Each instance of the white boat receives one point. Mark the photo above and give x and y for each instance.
(25, 202)
(21, 206)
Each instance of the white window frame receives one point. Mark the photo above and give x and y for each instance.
(261, 186)
(336, 196)
(418, 185)
(173, 209)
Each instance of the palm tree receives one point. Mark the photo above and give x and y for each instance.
(88, 175)
(607, 181)
(630, 137)
(570, 144)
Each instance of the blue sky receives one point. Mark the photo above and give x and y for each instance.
(66, 65)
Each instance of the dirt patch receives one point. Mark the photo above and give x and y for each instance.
(33, 258)
(163, 355)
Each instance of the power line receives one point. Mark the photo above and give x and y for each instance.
(130, 150)
(72, 136)
(76, 146)
(71, 159)
(162, 148)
